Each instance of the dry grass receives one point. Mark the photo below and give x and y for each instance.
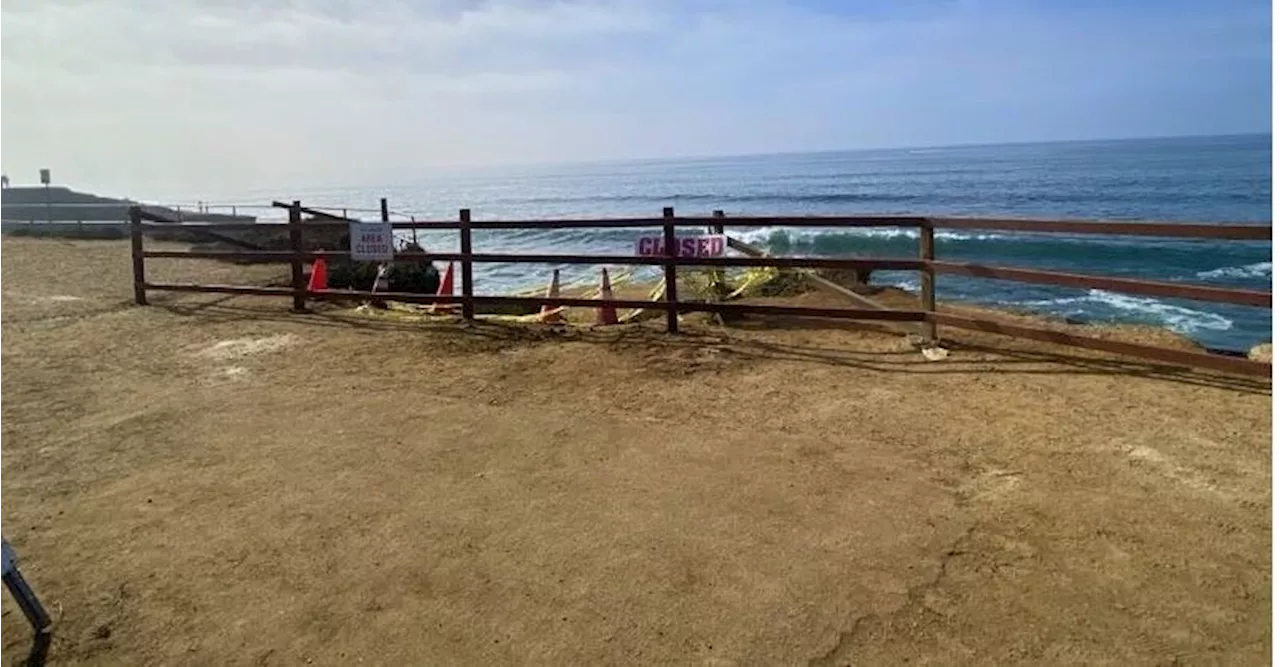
(216, 481)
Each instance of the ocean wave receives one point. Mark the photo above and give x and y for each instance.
(1096, 304)
(792, 236)
(1176, 259)
(1258, 270)
(799, 236)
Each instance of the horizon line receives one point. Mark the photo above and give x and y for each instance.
(729, 156)
(536, 164)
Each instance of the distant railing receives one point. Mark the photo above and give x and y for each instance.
(926, 263)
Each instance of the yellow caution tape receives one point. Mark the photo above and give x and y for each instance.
(701, 283)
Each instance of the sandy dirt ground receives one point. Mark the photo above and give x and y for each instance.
(217, 481)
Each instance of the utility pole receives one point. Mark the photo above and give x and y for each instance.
(48, 198)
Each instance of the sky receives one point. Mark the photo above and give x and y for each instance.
(200, 97)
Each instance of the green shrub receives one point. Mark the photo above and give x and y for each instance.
(415, 277)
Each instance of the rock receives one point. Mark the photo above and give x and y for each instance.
(1261, 353)
(935, 353)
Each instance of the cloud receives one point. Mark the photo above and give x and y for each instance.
(200, 96)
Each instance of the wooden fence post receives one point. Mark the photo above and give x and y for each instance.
(464, 247)
(928, 299)
(295, 262)
(139, 262)
(669, 268)
(386, 217)
(718, 286)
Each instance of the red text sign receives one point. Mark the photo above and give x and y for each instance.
(707, 245)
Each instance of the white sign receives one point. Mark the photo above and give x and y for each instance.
(372, 242)
(706, 245)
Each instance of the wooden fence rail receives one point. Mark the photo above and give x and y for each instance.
(925, 263)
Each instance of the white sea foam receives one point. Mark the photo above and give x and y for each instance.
(1181, 319)
(1259, 270)
(807, 236)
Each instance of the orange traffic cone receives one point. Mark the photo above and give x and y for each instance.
(445, 289)
(446, 282)
(319, 276)
(606, 314)
(552, 313)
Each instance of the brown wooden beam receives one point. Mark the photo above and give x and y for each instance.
(316, 213)
(1181, 357)
(138, 255)
(1127, 285)
(732, 221)
(535, 301)
(201, 227)
(153, 221)
(1225, 232)
(928, 284)
(788, 262)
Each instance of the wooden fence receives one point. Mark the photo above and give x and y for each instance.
(926, 263)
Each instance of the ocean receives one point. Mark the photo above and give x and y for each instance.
(1200, 179)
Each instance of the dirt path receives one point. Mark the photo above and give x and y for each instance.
(217, 481)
